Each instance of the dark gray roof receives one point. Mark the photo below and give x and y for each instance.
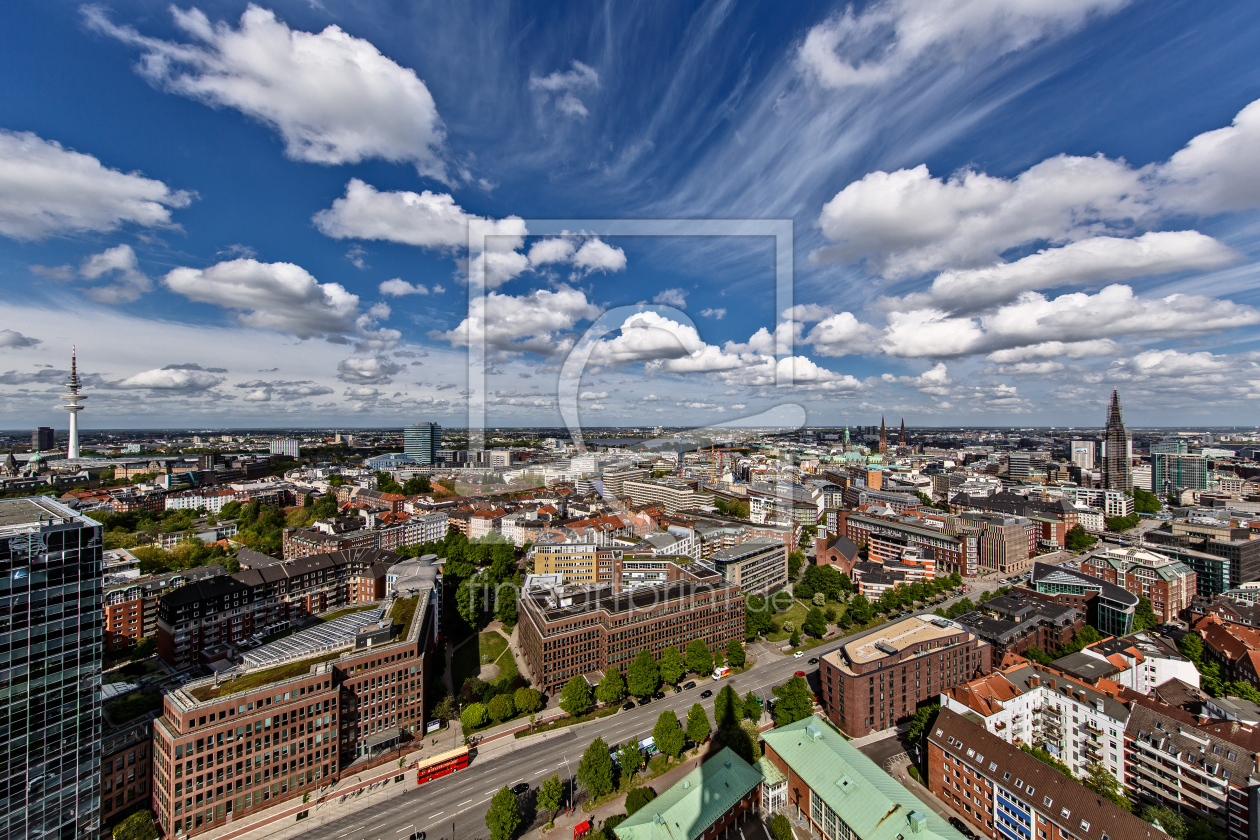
(1046, 572)
(1085, 667)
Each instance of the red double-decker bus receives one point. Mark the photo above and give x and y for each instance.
(442, 764)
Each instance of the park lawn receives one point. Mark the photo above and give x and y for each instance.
(488, 647)
(796, 614)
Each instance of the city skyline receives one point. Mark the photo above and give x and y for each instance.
(992, 241)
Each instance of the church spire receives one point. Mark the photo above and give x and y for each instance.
(883, 437)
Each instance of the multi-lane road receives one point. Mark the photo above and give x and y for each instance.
(462, 799)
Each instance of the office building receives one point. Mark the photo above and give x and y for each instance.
(1017, 621)
(1169, 446)
(569, 630)
(1212, 573)
(1171, 473)
(1081, 453)
(1110, 502)
(50, 749)
(1007, 543)
(43, 439)
(613, 480)
(675, 494)
(1117, 470)
(958, 553)
(421, 442)
(756, 567)
(876, 682)
(1108, 608)
(288, 447)
(292, 716)
(1167, 583)
(1010, 795)
(812, 774)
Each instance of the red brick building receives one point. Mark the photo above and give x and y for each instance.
(877, 681)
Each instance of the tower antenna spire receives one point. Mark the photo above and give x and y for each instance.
(72, 399)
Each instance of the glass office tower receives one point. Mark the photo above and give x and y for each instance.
(50, 671)
(421, 441)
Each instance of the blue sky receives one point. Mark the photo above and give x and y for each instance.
(257, 215)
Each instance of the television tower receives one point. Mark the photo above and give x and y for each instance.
(71, 405)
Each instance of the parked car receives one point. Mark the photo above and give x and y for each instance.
(643, 701)
(690, 685)
(629, 705)
(660, 695)
(705, 693)
(678, 689)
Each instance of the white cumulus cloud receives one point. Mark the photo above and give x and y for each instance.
(13, 340)
(120, 264)
(332, 97)
(46, 189)
(671, 297)
(171, 378)
(563, 87)
(537, 322)
(369, 370)
(399, 288)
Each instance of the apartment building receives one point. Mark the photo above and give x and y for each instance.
(483, 523)
(578, 557)
(613, 480)
(1235, 647)
(304, 710)
(196, 621)
(1007, 543)
(304, 542)
(1010, 795)
(131, 606)
(1167, 583)
(816, 777)
(1143, 661)
(1027, 703)
(674, 494)
(1107, 607)
(756, 567)
(878, 681)
(572, 630)
(211, 498)
(1201, 771)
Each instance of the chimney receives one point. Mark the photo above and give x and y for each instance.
(1034, 681)
(1054, 684)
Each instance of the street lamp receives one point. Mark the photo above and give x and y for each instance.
(572, 790)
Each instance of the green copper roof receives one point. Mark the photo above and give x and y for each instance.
(693, 804)
(873, 804)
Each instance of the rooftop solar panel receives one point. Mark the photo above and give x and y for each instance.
(321, 638)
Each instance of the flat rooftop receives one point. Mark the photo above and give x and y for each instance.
(18, 514)
(328, 636)
(893, 639)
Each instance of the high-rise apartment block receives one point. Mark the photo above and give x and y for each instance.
(421, 442)
(50, 671)
(43, 439)
(1117, 472)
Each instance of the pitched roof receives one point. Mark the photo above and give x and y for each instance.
(686, 810)
(870, 801)
(1055, 793)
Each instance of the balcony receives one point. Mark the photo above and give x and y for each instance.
(1093, 727)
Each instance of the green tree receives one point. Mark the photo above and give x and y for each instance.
(1201, 829)
(859, 609)
(795, 641)
(550, 795)
(416, 485)
(793, 702)
(757, 621)
(643, 676)
(1122, 523)
(595, 769)
(1169, 820)
(630, 760)
(1047, 759)
(504, 815)
(698, 727)
(752, 706)
(699, 660)
(637, 798)
(820, 599)
(719, 659)
(612, 688)
(781, 828)
(145, 647)
(921, 723)
(735, 654)
(1098, 779)
(668, 734)
(500, 707)
(728, 709)
(795, 560)
(672, 667)
(1144, 616)
(815, 623)
(1078, 539)
(752, 736)
(1145, 502)
(474, 715)
(138, 826)
(575, 698)
(527, 700)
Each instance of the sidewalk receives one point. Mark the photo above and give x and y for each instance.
(880, 735)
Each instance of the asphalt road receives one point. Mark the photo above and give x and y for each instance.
(463, 797)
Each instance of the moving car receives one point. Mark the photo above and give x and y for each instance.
(705, 693)
(798, 654)
(520, 788)
(800, 673)
(813, 660)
